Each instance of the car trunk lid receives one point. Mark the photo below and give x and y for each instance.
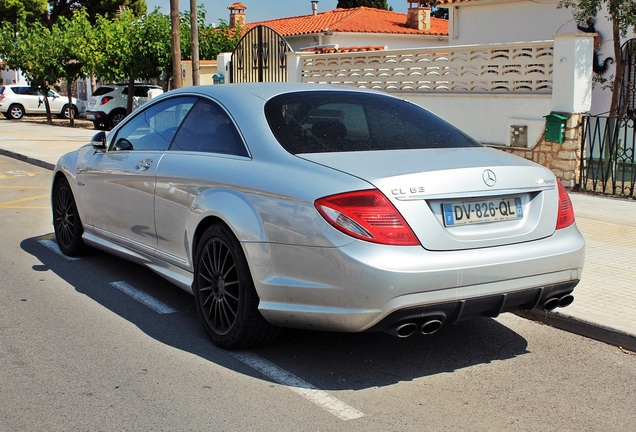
(459, 198)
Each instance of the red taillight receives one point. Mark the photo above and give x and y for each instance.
(565, 217)
(367, 215)
(105, 100)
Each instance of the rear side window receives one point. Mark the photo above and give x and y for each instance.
(1, 89)
(209, 129)
(102, 91)
(336, 121)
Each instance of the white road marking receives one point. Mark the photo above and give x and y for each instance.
(298, 385)
(52, 245)
(143, 298)
(279, 375)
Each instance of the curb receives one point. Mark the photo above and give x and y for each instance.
(32, 161)
(582, 327)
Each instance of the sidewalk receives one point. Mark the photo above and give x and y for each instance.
(605, 300)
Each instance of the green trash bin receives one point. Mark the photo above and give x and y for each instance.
(218, 79)
(555, 128)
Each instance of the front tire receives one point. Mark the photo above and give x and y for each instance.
(224, 293)
(66, 220)
(16, 112)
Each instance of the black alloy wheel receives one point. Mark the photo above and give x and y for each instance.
(224, 292)
(66, 220)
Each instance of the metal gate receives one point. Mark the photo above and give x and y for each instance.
(260, 56)
(608, 163)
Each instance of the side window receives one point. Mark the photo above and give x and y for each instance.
(25, 91)
(209, 129)
(153, 129)
(141, 91)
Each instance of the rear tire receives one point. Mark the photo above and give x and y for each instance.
(66, 112)
(66, 220)
(116, 117)
(224, 293)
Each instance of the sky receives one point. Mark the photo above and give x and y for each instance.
(260, 10)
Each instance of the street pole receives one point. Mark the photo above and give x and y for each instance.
(194, 26)
(176, 44)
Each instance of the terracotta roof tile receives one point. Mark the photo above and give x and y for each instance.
(356, 20)
(237, 6)
(326, 50)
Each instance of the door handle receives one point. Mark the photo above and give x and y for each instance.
(144, 164)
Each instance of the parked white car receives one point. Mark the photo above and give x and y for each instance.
(18, 100)
(107, 106)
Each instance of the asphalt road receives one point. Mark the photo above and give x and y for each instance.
(101, 344)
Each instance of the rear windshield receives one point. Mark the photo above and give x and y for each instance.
(102, 91)
(335, 121)
(1, 89)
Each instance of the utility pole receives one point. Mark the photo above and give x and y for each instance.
(194, 28)
(176, 44)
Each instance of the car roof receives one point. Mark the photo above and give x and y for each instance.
(263, 91)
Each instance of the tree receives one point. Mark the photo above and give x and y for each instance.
(75, 41)
(132, 48)
(349, 4)
(94, 8)
(28, 10)
(33, 50)
(623, 17)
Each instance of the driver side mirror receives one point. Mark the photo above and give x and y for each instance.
(99, 141)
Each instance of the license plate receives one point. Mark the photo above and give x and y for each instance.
(473, 212)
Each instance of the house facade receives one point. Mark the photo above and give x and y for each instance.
(362, 26)
(504, 21)
(10, 76)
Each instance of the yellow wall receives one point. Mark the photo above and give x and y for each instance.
(208, 68)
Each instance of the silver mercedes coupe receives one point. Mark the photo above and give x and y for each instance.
(319, 207)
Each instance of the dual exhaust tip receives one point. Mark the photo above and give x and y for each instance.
(555, 302)
(409, 328)
(432, 325)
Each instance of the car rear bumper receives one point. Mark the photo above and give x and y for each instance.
(96, 115)
(364, 286)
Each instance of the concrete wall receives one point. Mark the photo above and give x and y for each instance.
(440, 80)
(490, 21)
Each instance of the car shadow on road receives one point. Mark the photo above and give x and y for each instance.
(330, 361)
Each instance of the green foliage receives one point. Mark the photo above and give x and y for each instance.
(33, 50)
(621, 12)
(132, 48)
(378, 4)
(152, 46)
(212, 40)
(94, 8)
(16, 10)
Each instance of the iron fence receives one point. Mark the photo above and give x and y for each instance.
(607, 162)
